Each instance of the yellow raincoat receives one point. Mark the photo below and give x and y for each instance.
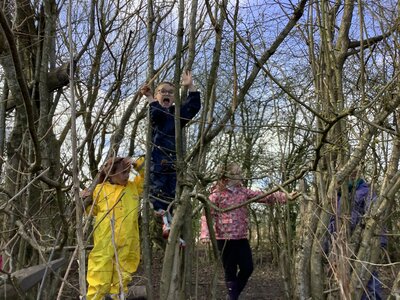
(115, 207)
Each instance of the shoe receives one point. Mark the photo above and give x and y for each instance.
(159, 213)
(166, 221)
(165, 231)
(166, 225)
(232, 290)
(182, 243)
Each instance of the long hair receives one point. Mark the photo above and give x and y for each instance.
(110, 167)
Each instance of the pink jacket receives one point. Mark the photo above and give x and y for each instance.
(234, 224)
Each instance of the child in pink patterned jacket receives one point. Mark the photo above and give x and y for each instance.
(231, 227)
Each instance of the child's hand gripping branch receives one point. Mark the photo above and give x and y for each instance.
(147, 92)
(138, 165)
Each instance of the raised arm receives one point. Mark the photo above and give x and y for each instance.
(148, 93)
(156, 110)
(192, 104)
(187, 81)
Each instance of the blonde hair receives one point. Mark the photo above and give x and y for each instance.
(164, 82)
(229, 171)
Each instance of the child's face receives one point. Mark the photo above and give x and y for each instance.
(165, 95)
(233, 175)
(122, 171)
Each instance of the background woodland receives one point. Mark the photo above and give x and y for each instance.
(301, 93)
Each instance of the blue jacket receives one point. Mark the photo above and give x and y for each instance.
(163, 125)
(361, 200)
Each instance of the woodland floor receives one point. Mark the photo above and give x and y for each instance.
(265, 282)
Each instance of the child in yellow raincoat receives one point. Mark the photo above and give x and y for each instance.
(116, 252)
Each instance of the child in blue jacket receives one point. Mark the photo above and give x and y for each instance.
(163, 154)
(361, 198)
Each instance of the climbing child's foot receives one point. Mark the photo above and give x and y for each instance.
(159, 213)
(165, 230)
(166, 224)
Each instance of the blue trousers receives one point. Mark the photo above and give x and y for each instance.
(162, 181)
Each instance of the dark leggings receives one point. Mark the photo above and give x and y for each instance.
(234, 254)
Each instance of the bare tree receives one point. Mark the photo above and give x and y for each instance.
(338, 154)
(302, 94)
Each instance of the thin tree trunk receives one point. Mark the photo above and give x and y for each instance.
(78, 204)
(305, 230)
(147, 250)
(171, 272)
(3, 103)
(187, 231)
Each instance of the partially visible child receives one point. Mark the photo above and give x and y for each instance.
(116, 252)
(361, 196)
(163, 154)
(232, 227)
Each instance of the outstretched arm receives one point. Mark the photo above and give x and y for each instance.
(274, 198)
